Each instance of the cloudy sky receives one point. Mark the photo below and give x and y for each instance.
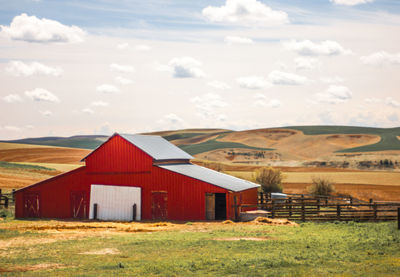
(95, 67)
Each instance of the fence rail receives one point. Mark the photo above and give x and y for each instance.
(316, 208)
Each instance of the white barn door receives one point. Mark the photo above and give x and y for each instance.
(115, 202)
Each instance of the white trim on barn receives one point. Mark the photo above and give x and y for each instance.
(115, 202)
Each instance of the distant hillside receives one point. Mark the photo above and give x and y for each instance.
(389, 140)
(293, 143)
(83, 142)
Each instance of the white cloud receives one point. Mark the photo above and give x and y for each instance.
(185, 67)
(273, 103)
(381, 58)
(12, 98)
(219, 85)
(12, 128)
(123, 81)
(238, 40)
(351, 2)
(142, 47)
(46, 113)
(261, 100)
(121, 68)
(207, 104)
(171, 121)
(245, 12)
(334, 95)
(122, 46)
(88, 111)
(303, 63)
(107, 88)
(253, 82)
(373, 100)
(99, 104)
(391, 102)
(173, 118)
(283, 78)
(33, 29)
(331, 80)
(41, 94)
(309, 48)
(19, 68)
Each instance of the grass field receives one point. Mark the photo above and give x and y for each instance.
(366, 177)
(389, 140)
(210, 145)
(59, 248)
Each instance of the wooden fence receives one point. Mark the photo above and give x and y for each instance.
(308, 207)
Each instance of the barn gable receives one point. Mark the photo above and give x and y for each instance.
(137, 177)
(118, 155)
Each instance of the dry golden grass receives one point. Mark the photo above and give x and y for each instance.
(41, 154)
(344, 177)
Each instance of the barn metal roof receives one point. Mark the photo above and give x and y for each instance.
(157, 147)
(211, 176)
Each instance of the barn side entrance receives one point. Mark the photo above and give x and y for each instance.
(115, 202)
(31, 204)
(159, 200)
(215, 206)
(78, 204)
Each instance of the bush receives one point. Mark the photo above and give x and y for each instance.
(321, 186)
(270, 179)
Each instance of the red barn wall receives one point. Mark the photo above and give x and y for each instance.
(118, 155)
(118, 162)
(54, 194)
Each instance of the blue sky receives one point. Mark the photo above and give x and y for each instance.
(90, 67)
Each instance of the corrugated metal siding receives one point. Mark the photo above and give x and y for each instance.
(115, 202)
(211, 176)
(54, 194)
(120, 163)
(118, 155)
(157, 147)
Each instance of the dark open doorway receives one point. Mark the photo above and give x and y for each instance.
(220, 206)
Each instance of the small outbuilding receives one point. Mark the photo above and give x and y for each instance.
(137, 177)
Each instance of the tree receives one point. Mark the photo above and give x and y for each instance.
(270, 179)
(321, 186)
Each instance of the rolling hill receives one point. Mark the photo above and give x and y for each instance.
(293, 143)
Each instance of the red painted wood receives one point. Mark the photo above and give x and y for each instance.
(79, 204)
(118, 162)
(118, 155)
(159, 207)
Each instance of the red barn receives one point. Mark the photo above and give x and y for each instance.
(136, 177)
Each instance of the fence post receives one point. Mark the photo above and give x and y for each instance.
(272, 208)
(6, 202)
(134, 212)
(290, 206)
(0, 191)
(318, 206)
(338, 212)
(303, 214)
(13, 195)
(235, 204)
(398, 218)
(375, 211)
(95, 211)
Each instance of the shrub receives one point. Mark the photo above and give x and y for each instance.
(270, 179)
(321, 186)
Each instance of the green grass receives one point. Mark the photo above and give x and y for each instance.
(312, 249)
(388, 140)
(183, 136)
(83, 142)
(23, 166)
(210, 145)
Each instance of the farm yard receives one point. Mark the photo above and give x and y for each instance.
(66, 248)
(153, 248)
